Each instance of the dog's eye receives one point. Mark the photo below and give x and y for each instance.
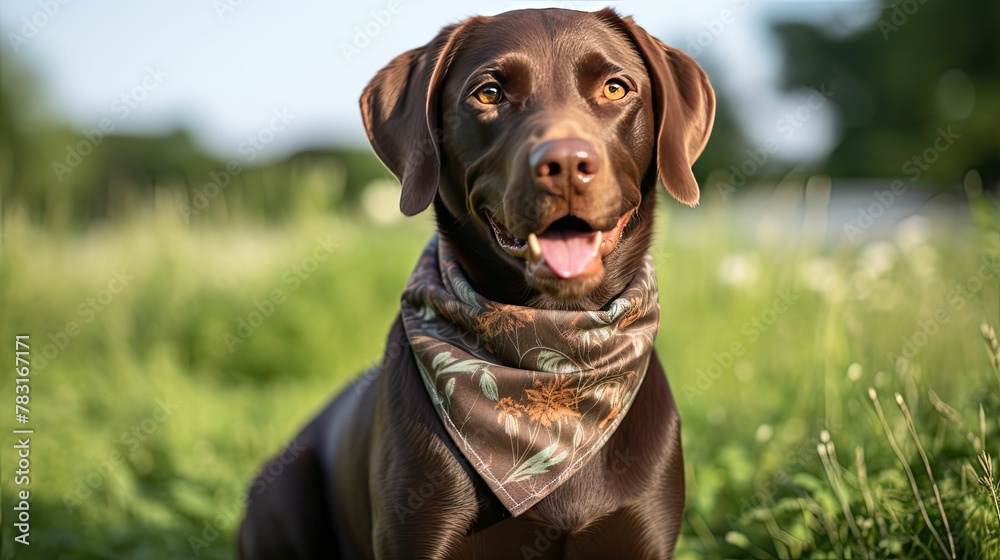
(490, 94)
(615, 90)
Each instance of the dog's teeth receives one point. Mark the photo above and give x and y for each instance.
(535, 249)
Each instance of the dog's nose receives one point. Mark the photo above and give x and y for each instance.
(565, 162)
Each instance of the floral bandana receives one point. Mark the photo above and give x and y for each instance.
(528, 395)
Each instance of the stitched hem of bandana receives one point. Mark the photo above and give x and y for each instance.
(584, 371)
(514, 506)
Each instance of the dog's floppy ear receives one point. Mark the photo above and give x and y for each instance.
(684, 109)
(400, 111)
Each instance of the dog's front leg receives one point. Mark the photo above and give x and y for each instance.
(422, 502)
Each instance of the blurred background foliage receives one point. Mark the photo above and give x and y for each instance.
(785, 454)
(115, 175)
(894, 83)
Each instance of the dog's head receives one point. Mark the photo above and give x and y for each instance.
(540, 135)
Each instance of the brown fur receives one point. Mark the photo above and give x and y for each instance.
(375, 474)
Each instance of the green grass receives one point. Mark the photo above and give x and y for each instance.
(759, 401)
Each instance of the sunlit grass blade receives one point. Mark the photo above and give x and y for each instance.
(986, 480)
(827, 454)
(930, 473)
(906, 467)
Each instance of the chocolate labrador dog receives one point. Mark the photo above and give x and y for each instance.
(539, 137)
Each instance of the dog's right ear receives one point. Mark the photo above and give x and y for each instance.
(684, 108)
(400, 111)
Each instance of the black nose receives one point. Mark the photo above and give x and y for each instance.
(565, 162)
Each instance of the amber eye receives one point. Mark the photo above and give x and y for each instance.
(615, 90)
(490, 94)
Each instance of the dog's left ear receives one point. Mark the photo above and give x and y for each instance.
(684, 108)
(400, 110)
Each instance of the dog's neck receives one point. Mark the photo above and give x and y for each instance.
(522, 390)
(496, 279)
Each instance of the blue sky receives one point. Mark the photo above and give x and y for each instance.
(222, 68)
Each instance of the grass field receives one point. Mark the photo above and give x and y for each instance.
(170, 361)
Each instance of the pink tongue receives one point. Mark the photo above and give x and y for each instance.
(569, 253)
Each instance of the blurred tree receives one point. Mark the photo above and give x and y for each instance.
(918, 91)
(15, 145)
(64, 177)
(727, 144)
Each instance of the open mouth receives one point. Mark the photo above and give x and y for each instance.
(568, 248)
